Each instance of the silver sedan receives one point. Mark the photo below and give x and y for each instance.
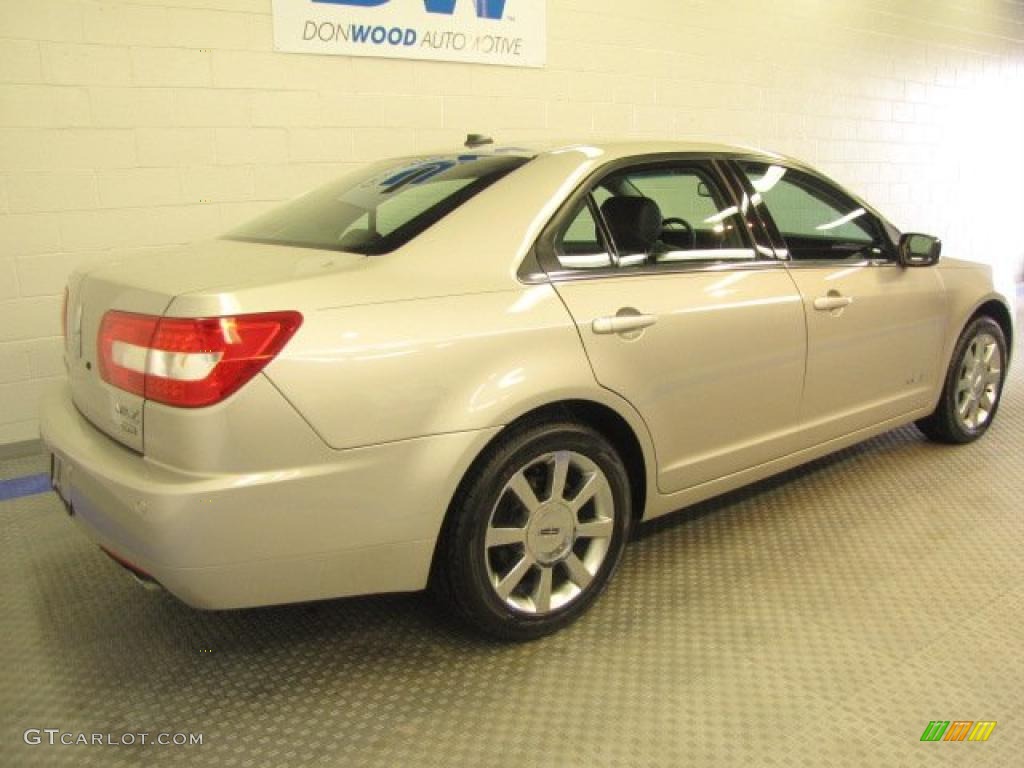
(477, 371)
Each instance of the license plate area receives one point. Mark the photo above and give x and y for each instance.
(60, 480)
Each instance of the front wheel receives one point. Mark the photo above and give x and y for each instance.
(974, 383)
(537, 531)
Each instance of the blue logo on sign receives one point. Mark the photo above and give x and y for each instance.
(485, 9)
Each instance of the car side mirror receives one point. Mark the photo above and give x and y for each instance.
(917, 250)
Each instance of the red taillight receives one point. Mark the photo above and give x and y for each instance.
(189, 362)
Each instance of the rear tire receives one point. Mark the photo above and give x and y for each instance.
(973, 386)
(535, 532)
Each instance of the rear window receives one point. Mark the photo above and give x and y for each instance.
(380, 208)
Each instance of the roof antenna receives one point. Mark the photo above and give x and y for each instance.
(477, 140)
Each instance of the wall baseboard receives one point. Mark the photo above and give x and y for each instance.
(21, 449)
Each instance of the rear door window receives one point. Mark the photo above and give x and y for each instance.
(686, 217)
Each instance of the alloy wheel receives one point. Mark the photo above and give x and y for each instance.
(549, 532)
(977, 390)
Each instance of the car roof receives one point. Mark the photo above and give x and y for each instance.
(626, 147)
(619, 148)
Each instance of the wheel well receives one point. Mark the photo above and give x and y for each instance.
(998, 312)
(618, 432)
(600, 417)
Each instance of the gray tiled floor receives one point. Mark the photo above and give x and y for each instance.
(821, 618)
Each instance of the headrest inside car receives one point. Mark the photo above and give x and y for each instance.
(635, 222)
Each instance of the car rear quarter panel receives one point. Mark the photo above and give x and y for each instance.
(385, 372)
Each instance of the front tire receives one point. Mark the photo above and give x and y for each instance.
(973, 386)
(536, 532)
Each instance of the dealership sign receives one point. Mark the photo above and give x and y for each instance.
(508, 32)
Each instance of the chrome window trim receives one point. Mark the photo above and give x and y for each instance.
(571, 275)
(839, 263)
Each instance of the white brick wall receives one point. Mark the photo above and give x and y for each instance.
(137, 123)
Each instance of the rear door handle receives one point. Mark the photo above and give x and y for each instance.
(832, 301)
(623, 323)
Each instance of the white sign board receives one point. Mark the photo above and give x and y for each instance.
(508, 32)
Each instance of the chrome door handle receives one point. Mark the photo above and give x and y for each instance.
(832, 302)
(623, 323)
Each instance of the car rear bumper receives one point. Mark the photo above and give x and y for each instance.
(363, 521)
